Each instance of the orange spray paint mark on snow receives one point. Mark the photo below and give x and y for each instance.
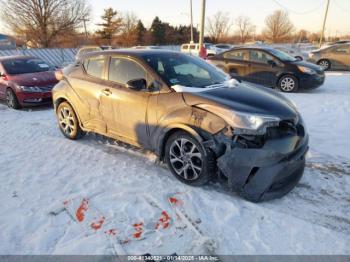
(139, 230)
(97, 225)
(164, 221)
(174, 201)
(111, 232)
(80, 214)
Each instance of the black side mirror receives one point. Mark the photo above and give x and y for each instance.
(272, 63)
(155, 86)
(137, 84)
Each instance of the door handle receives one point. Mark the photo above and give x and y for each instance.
(107, 91)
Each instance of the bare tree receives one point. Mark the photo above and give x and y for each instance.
(129, 35)
(218, 26)
(43, 21)
(245, 28)
(278, 27)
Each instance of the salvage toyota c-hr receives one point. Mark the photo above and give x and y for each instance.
(198, 120)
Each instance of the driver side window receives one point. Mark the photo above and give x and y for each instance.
(259, 56)
(123, 70)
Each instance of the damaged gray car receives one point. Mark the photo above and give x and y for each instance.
(199, 121)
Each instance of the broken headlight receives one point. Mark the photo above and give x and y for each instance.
(243, 123)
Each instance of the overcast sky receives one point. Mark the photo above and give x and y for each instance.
(306, 14)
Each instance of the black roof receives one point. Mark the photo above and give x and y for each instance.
(254, 47)
(130, 52)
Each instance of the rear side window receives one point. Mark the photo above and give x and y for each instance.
(192, 47)
(94, 66)
(123, 70)
(237, 55)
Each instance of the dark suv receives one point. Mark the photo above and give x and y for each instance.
(197, 119)
(269, 67)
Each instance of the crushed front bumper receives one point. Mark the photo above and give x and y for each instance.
(268, 172)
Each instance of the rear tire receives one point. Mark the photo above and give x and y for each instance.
(68, 122)
(188, 160)
(12, 100)
(288, 84)
(325, 64)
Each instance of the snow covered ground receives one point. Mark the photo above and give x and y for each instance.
(42, 172)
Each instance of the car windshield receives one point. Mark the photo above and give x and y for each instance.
(283, 56)
(184, 70)
(25, 66)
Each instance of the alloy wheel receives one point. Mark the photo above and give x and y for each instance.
(186, 159)
(287, 84)
(67, 121)
(324, 64)
(10, 99)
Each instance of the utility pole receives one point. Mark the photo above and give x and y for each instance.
(84, 22)
(191, 14)
(324, 23)
(201, 33)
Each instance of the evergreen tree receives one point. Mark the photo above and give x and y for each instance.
(111, 25)
(140, 32)
(158, 32)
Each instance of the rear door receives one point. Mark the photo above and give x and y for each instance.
(90, 91)
(236, 64)
(261, 70)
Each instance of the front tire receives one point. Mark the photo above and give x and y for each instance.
(288, 84)
(325, 64)
(188, 160)
(12, 100)
(68, 122)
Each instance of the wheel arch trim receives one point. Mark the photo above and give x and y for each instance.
(171, 129)
(62, 99)
(286, 74)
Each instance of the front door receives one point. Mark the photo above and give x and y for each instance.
(130, 122)
(340, 55)
(263, 68)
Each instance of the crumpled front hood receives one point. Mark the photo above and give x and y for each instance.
(247, 99)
